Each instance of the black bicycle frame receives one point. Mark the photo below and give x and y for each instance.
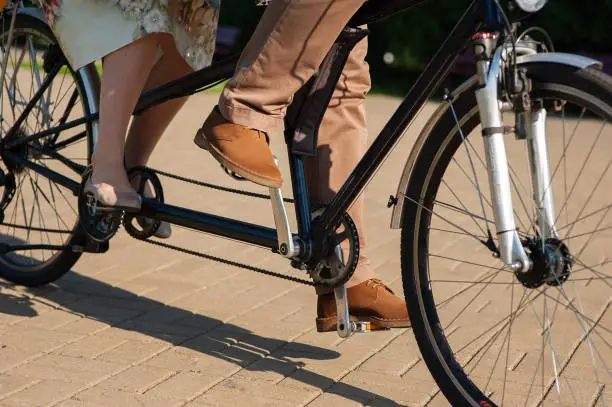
(313, 237)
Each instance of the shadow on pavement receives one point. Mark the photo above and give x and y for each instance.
(93, 299)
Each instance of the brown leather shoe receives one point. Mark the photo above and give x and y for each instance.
(369, 301)
(240, 149)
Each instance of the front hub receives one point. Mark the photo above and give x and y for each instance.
(551, 263)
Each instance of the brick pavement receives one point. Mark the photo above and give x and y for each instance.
(145, 326)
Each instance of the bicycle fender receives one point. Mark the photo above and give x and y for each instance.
(576, 61)
(34, 12)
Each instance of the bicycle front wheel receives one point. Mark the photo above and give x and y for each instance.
(490, 336)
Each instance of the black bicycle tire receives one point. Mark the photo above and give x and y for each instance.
(62, 261)
(458, 389)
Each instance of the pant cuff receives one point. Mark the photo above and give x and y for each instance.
(363, 273)
(251, 119)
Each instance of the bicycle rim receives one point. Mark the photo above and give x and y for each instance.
(489, 339)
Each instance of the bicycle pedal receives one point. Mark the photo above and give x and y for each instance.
(361, 326)
(95, 209)
(92, 204)
(365, 326)
(99, 223)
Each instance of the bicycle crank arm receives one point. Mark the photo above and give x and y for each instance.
(287, 246)
(345, 324)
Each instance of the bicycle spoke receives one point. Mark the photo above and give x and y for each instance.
(50, 204)
(595, 325)
(465, 208)
(584, 338)
(603, 263)
(585, 217)
(578, 177)
(40, 218)
(28, 220)
(472, 282)
(591, 235)
(598, 273)
(16, 199)
(464, 212)
(587, 233)
(465, 289)
(471, 301)
(592, 193)
(29, 216)
(463, 138)
(512, 180)
(61, 192)
(476, 187)
(468, 262)
(441, 217)
(546, 327)
(456, 233)
(565, 189)
(508, 345)
(489, 343)
(565, 148)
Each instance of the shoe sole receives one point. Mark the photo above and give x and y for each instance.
(329, 324)
(201, 141)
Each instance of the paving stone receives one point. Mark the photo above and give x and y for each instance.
(146, 326)
(42, 393)
(137, 379)
(66, 368)
(10, 384)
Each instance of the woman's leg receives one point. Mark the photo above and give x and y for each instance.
(125, 75)
(146, 129)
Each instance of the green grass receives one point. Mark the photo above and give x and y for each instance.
(64, 70)
(217, 88)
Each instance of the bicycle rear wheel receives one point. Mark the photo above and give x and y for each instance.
(490, 336)
(37, 210)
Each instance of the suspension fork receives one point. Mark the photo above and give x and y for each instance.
(539, 165)
(489, 105)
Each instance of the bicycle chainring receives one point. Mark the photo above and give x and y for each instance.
(150, 187)
(333, 270)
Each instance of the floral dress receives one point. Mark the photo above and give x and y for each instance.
(87, 30)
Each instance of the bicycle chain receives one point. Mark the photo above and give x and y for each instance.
(231, 262)
(213, 186)
(215, 258)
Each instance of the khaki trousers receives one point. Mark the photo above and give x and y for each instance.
(287, 47)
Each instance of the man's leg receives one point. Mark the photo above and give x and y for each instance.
(287, 47)
(341, 143)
